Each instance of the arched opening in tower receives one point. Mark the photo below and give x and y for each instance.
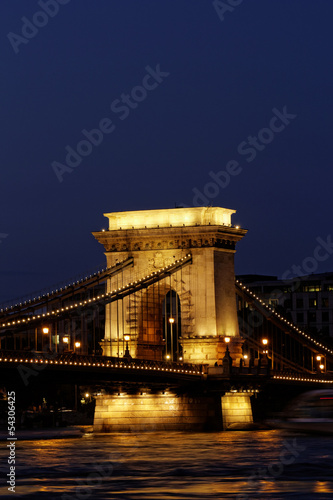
(171, 316)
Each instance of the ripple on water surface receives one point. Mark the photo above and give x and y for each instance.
(175, 465)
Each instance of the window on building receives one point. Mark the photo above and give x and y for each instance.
(325, 330)
(312, 302)
(300, 317)
(329, 288)
(271, 289)
(287, 304)
(299, 303)
(325, 316)
(312, 288)
(311, 317)
(324, 302)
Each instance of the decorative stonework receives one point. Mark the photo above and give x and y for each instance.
(210, 349)
(159, 261)
(117, 241)
(206, 288)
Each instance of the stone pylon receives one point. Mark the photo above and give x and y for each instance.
(206, 287)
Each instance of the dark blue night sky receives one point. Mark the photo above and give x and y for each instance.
(196, 106)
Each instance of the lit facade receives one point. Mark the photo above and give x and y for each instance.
(205, 289)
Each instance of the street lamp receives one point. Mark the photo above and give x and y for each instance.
(227, 340)
(171, 321)
(321, 362)
(77, 345)
(265, 342)
(46, 331)
(127, 353)
(66, 342)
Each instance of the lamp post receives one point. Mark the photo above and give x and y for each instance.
(321, 362)
(171, 321)
(227, 359)
(265, 351)
(66, 342)
(46, 331)
(77, 345)
(127, 352)
(265, 344)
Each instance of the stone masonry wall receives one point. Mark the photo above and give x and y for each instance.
(143, 412)
(236, 410)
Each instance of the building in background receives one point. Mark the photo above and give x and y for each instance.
(306, 300)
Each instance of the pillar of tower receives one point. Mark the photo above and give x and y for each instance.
(206, 288)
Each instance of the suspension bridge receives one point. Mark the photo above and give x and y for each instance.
(166, 316)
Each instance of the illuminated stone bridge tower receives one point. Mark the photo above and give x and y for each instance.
(205, 289)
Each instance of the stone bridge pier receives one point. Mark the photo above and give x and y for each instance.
(199, 301)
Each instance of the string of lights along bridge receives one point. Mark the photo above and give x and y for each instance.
(20, 310)
(165, 316)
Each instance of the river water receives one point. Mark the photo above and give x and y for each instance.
(269, 464)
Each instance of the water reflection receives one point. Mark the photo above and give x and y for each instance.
(241, 465)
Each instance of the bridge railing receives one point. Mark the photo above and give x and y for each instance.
(29, 356)
(290, 376)
(239, 370)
